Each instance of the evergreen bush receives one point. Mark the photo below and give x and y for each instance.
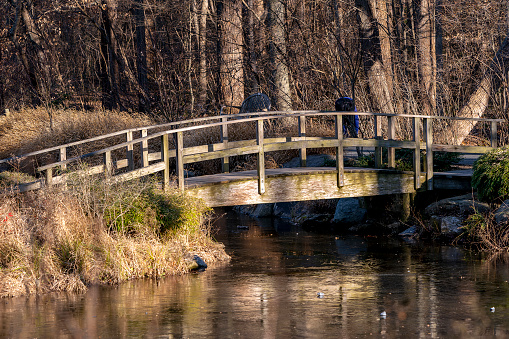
(491, 175)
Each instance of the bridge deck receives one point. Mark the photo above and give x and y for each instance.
(310, 183)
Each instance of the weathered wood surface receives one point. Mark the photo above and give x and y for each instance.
(311, 183)
(154, 146)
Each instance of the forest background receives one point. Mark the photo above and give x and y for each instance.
(183, 59)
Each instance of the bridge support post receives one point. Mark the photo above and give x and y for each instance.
(417, 152)
(129, 151)
(224, 139)
(166, 159)
(428, 132)
(391, 151)
(179, 156)
(144, 149)
(302, 134)
(340, 166)
(260, 166)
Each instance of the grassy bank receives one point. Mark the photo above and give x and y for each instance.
(64, 240)
(90, 232)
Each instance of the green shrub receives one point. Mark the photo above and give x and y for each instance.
(491, 175)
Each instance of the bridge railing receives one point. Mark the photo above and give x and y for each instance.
(126, 168)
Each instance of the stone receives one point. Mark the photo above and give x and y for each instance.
(409, 232)
(460, 205)
(502, 213)
(349, 211)
(263, 210)
(451, 225)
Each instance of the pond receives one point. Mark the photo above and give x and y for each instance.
(284, 282)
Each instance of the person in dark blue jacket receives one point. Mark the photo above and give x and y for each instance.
(350, 122)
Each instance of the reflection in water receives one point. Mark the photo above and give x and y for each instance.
(269, 290)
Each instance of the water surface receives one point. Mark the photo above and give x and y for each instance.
(284, 282)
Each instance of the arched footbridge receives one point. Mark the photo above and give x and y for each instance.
(170, 149)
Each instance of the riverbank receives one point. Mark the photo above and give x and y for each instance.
(68, 239)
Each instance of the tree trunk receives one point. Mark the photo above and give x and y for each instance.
(478, 101)
(254, 78)
(279, 67)
(202, 50)
(141, 56)
(231, 70)
(109, 67)
(372, 58)
(427, 55)
(43, 79)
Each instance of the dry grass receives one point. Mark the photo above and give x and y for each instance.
(49, 241)
(30, 130)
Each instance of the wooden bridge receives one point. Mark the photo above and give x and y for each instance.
(167, 149)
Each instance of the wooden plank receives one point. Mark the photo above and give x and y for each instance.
(340, 166)
(129, 150)
(165, 145)
(144, 149)
(108, 166)
(310, 186)
(461, 149)
(225, 162)
(391, 152)
(378, 136)
(302, 134)
(260, 164)
(179, 163)
(417, 151)
(494, 134)
(428, 135)
(63, 157)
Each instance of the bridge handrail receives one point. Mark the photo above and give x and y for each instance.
(152, 136)
(235, 117)
(137, 129)
(194, 153)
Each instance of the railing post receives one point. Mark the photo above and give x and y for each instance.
(417, 152)
(165, 156)
(107, 163)
(260, 166)
(494, 137)
(49, 176)
(378, 136)
(391, 151)
(179, 156)
(62, 157)
(144, 149)
(224, 139)
(340, 167)
(428, 132)
(302, 133)
(129, 151)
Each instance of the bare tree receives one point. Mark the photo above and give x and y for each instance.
(278, 62)
(231, 70)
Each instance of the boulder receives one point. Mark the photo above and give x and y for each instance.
(409, 232)
(502, 213)
(461, 205)
(451, 225)
(349, 211)
(263, 210)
